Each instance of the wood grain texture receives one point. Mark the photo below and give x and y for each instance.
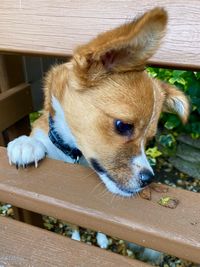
(14, 105)
(11, 71)
(2, 142)
(14, 69)
(21, 127)
(56, 27)
(74, 193)
(24, 245)
(4, 81)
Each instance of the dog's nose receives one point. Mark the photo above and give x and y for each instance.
(146, 177)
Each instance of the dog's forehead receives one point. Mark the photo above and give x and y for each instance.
(127, 96)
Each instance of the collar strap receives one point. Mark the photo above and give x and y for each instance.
(57, 140)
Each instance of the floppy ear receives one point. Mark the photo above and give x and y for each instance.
(175, 101)
(126, 47)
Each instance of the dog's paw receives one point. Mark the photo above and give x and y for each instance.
(25, 150)
(102, 240)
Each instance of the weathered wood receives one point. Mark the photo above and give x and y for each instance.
(56, 27)
(14, 69)
(4, 81)
(74, 193)
(2, 141)
(21, 127)
(14, 105)
(25, 245)
(11, 71)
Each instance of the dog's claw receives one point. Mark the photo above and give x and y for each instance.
(36, 164)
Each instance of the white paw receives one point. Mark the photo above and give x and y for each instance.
(76, 235)
(102, 240)
(25, 150)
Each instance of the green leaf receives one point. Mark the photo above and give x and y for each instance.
(152, 161)
(172, 122)
(167, 141)
(197, 74)
(179, 80)
(153, 152)
(178, 73)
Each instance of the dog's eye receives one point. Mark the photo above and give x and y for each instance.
(122, 128)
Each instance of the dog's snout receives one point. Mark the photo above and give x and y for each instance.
(146, 177)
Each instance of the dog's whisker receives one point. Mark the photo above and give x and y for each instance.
(104, 192)
(112, 199)
(85, 177)
(96, 186)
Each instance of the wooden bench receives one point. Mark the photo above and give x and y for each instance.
(59, 189)
(35, 247)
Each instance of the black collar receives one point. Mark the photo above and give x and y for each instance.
(57, 140)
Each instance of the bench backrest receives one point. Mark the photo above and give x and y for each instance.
(56, 27)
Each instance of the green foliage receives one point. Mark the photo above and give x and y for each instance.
(34, 116)
(167, 144)
(152, 153)
(167, 140)
(189, 82)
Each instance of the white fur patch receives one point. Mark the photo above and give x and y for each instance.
(141, 160)
(60, 123)
(52, 151)
(112, 187)
(24, 150)
(178, 106)
(102, 240)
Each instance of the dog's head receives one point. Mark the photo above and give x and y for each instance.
(117, 105)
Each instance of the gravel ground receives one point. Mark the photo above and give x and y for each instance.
(165, 173)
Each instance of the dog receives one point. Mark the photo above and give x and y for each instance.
(101, 108)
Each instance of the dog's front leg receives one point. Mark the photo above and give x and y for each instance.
(26, 150)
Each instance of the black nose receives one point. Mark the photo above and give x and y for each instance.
(146, 177)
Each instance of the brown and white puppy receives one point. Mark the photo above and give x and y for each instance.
(104, 103)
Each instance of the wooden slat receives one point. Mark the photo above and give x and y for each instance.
(24, 245)
(14, 69)
(2, 141)
(56, 27)
(74, 193)
(4, 81)
(21, 127)
(14, 105)
(11, 71)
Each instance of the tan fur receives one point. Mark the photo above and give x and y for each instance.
(175, 97)
(106, 80)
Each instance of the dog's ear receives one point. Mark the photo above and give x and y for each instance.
(126, 47)
(175, 101)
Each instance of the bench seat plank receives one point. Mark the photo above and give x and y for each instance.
(26, 245)
(74, 193)
(56, 27)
